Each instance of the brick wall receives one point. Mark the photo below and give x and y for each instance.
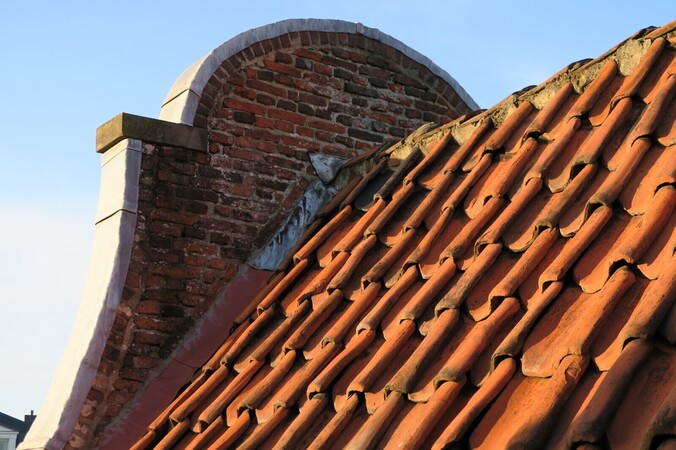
(191, 238)
(202, 213)
(334, 93)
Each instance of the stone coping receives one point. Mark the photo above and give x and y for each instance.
(130, 126)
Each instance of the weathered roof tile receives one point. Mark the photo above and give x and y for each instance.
(500, 280)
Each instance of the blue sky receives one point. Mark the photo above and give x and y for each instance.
(67, 67)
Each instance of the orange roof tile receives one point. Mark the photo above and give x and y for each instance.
(504, 280)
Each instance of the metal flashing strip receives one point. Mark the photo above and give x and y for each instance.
(113, 240)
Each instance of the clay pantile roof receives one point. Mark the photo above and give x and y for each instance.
(504, 280)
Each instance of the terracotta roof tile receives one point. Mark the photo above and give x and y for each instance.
(507, 279)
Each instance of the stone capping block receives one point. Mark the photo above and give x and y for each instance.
(130, 126)
(180, 104)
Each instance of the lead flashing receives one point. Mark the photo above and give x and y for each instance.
(120, 172)
(113, 240)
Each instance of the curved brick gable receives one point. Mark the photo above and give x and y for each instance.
(202, 212)
(339, 94)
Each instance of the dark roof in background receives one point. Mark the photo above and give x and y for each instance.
(17, 425)
(507, 278)
(11, 422)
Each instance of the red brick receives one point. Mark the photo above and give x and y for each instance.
(273, 184)
(309, 54)
(306, 109)
(267, 45)
(245, 142)
(110, 352)
(283, 125)
(173, 272)
(365, 135)
(285, 79)
(285, 40)
(170, 216)
(265, 75)
(285, 174)
(285, 58)
(237, 79)
(262, 135)
(153, 324)
(147, 337)
(196, 247)
(241, 153)
(287, 116)
(314, 89)
(266, 146)
(249, 94)
(323, 69)
(281, 68)
(148, 307)
(134, 374)
(346, 141)
(280, 161)
(233, 128)
(197, 288)
(192, 300)
(305, 131)
(139, 362)
(221, 138)
(326, 126)
(286, 104)
(263, 122)
(244, 106)
(232, 252)
(194, 193)
(313, 99)
(136, 349)
(293, 196)
(218, 264)
(265, 99)
(127, 385)
(302, 63)
(266, 87)
(244, 117)
(337, 62)
(95, 395)
(244, 215)
(300, 143)
(257, 48)
(325, 136)
(357, 57)
(229, 225)
(341, 152)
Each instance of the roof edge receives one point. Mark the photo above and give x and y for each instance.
(180, 104)
(626, 53)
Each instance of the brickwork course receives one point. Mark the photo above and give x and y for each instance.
(203, 212)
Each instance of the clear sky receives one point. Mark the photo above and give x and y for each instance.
(67, 67)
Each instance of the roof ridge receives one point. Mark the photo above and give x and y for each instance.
(580, 73)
